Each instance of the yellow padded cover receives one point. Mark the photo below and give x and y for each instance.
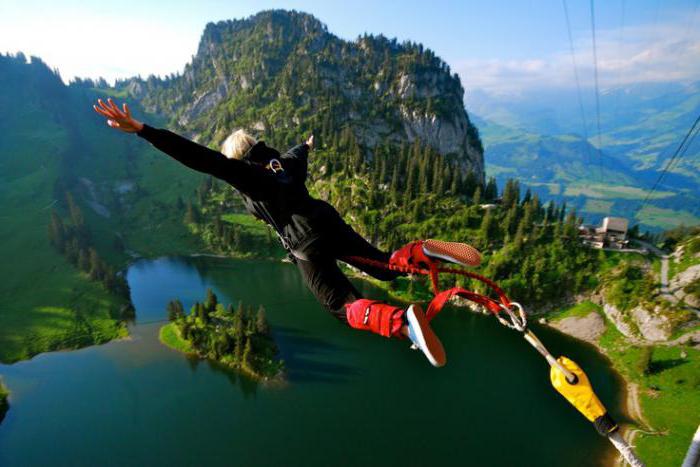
(581, 394)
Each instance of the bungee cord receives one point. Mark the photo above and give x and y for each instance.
(566, 376)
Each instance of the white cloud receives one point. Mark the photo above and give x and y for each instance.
(660, 53)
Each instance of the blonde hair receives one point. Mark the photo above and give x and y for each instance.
(237, 144)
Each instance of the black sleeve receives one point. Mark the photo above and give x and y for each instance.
(250, 180)
(299, 156)
(299, 152)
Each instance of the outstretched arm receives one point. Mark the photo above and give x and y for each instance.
(247, 179)
(299, 156)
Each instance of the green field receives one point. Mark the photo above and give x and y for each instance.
(665, 218)
(170, 336)
(598, 206)
(248, 222)
(612, 191)
(579, 310)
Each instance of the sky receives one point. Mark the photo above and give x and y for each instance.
(498, 47)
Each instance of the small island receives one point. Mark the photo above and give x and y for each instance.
(4, 405)
(237, 338)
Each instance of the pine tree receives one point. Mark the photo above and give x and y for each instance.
(179, 309)
(171, 310)
(394, 187)
(76, 215)
(410, 182)
(96, 267)
(562, 212)
(491, 190)
(218, 227)
(84, 260)
(211, 301)
(511, 193)
(423, 177)
(510, 222)
(57, 232)
(550, 211)
(488, 228)
(438, 178)
(261, 326)
(519, 238)
(238, 322)
(247, 358)
(454, 185)
(476, 199)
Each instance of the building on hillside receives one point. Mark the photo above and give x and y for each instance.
(611, 234)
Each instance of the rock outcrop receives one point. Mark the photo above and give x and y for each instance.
(678, 285)
(588, 328)
(653, 325)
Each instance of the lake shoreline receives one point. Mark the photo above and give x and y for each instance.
(631, 407)
(170, 336)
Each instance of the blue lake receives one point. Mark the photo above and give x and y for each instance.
(353, 398)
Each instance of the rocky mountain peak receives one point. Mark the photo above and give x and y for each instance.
(282, 72)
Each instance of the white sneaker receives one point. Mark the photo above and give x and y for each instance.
(423, 337)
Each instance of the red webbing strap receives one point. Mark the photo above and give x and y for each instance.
(442, 297)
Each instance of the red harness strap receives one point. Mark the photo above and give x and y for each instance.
(442, 297)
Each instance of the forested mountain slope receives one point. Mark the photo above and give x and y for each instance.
(281, 75)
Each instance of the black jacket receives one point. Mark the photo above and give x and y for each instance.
(280, 199)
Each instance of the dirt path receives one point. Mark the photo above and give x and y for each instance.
(664, 274)
(664, 270)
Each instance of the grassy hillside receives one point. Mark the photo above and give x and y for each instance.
(53, 142)
(667, 378)
(47, 304)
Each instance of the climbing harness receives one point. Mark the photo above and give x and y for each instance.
(567, 378)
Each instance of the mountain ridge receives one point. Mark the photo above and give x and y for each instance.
(301, 78)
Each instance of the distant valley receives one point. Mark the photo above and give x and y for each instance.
(540, 138)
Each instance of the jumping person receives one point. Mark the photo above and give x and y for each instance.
(273, 189)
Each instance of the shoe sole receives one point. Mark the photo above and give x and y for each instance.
(454, 252)
(425, 336)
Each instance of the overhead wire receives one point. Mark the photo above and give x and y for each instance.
(616, 106)
(677, 155)
(578, 82)
(597, 92)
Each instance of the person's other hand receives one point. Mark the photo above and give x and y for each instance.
(119, 119)
(310, 142)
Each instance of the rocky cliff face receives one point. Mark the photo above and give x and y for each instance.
(685, 285)
(282, 74)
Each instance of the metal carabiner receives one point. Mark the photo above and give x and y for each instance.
(517, 321)
(275, 165)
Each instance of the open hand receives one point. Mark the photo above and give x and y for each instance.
(119, 119)
(310, 142)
